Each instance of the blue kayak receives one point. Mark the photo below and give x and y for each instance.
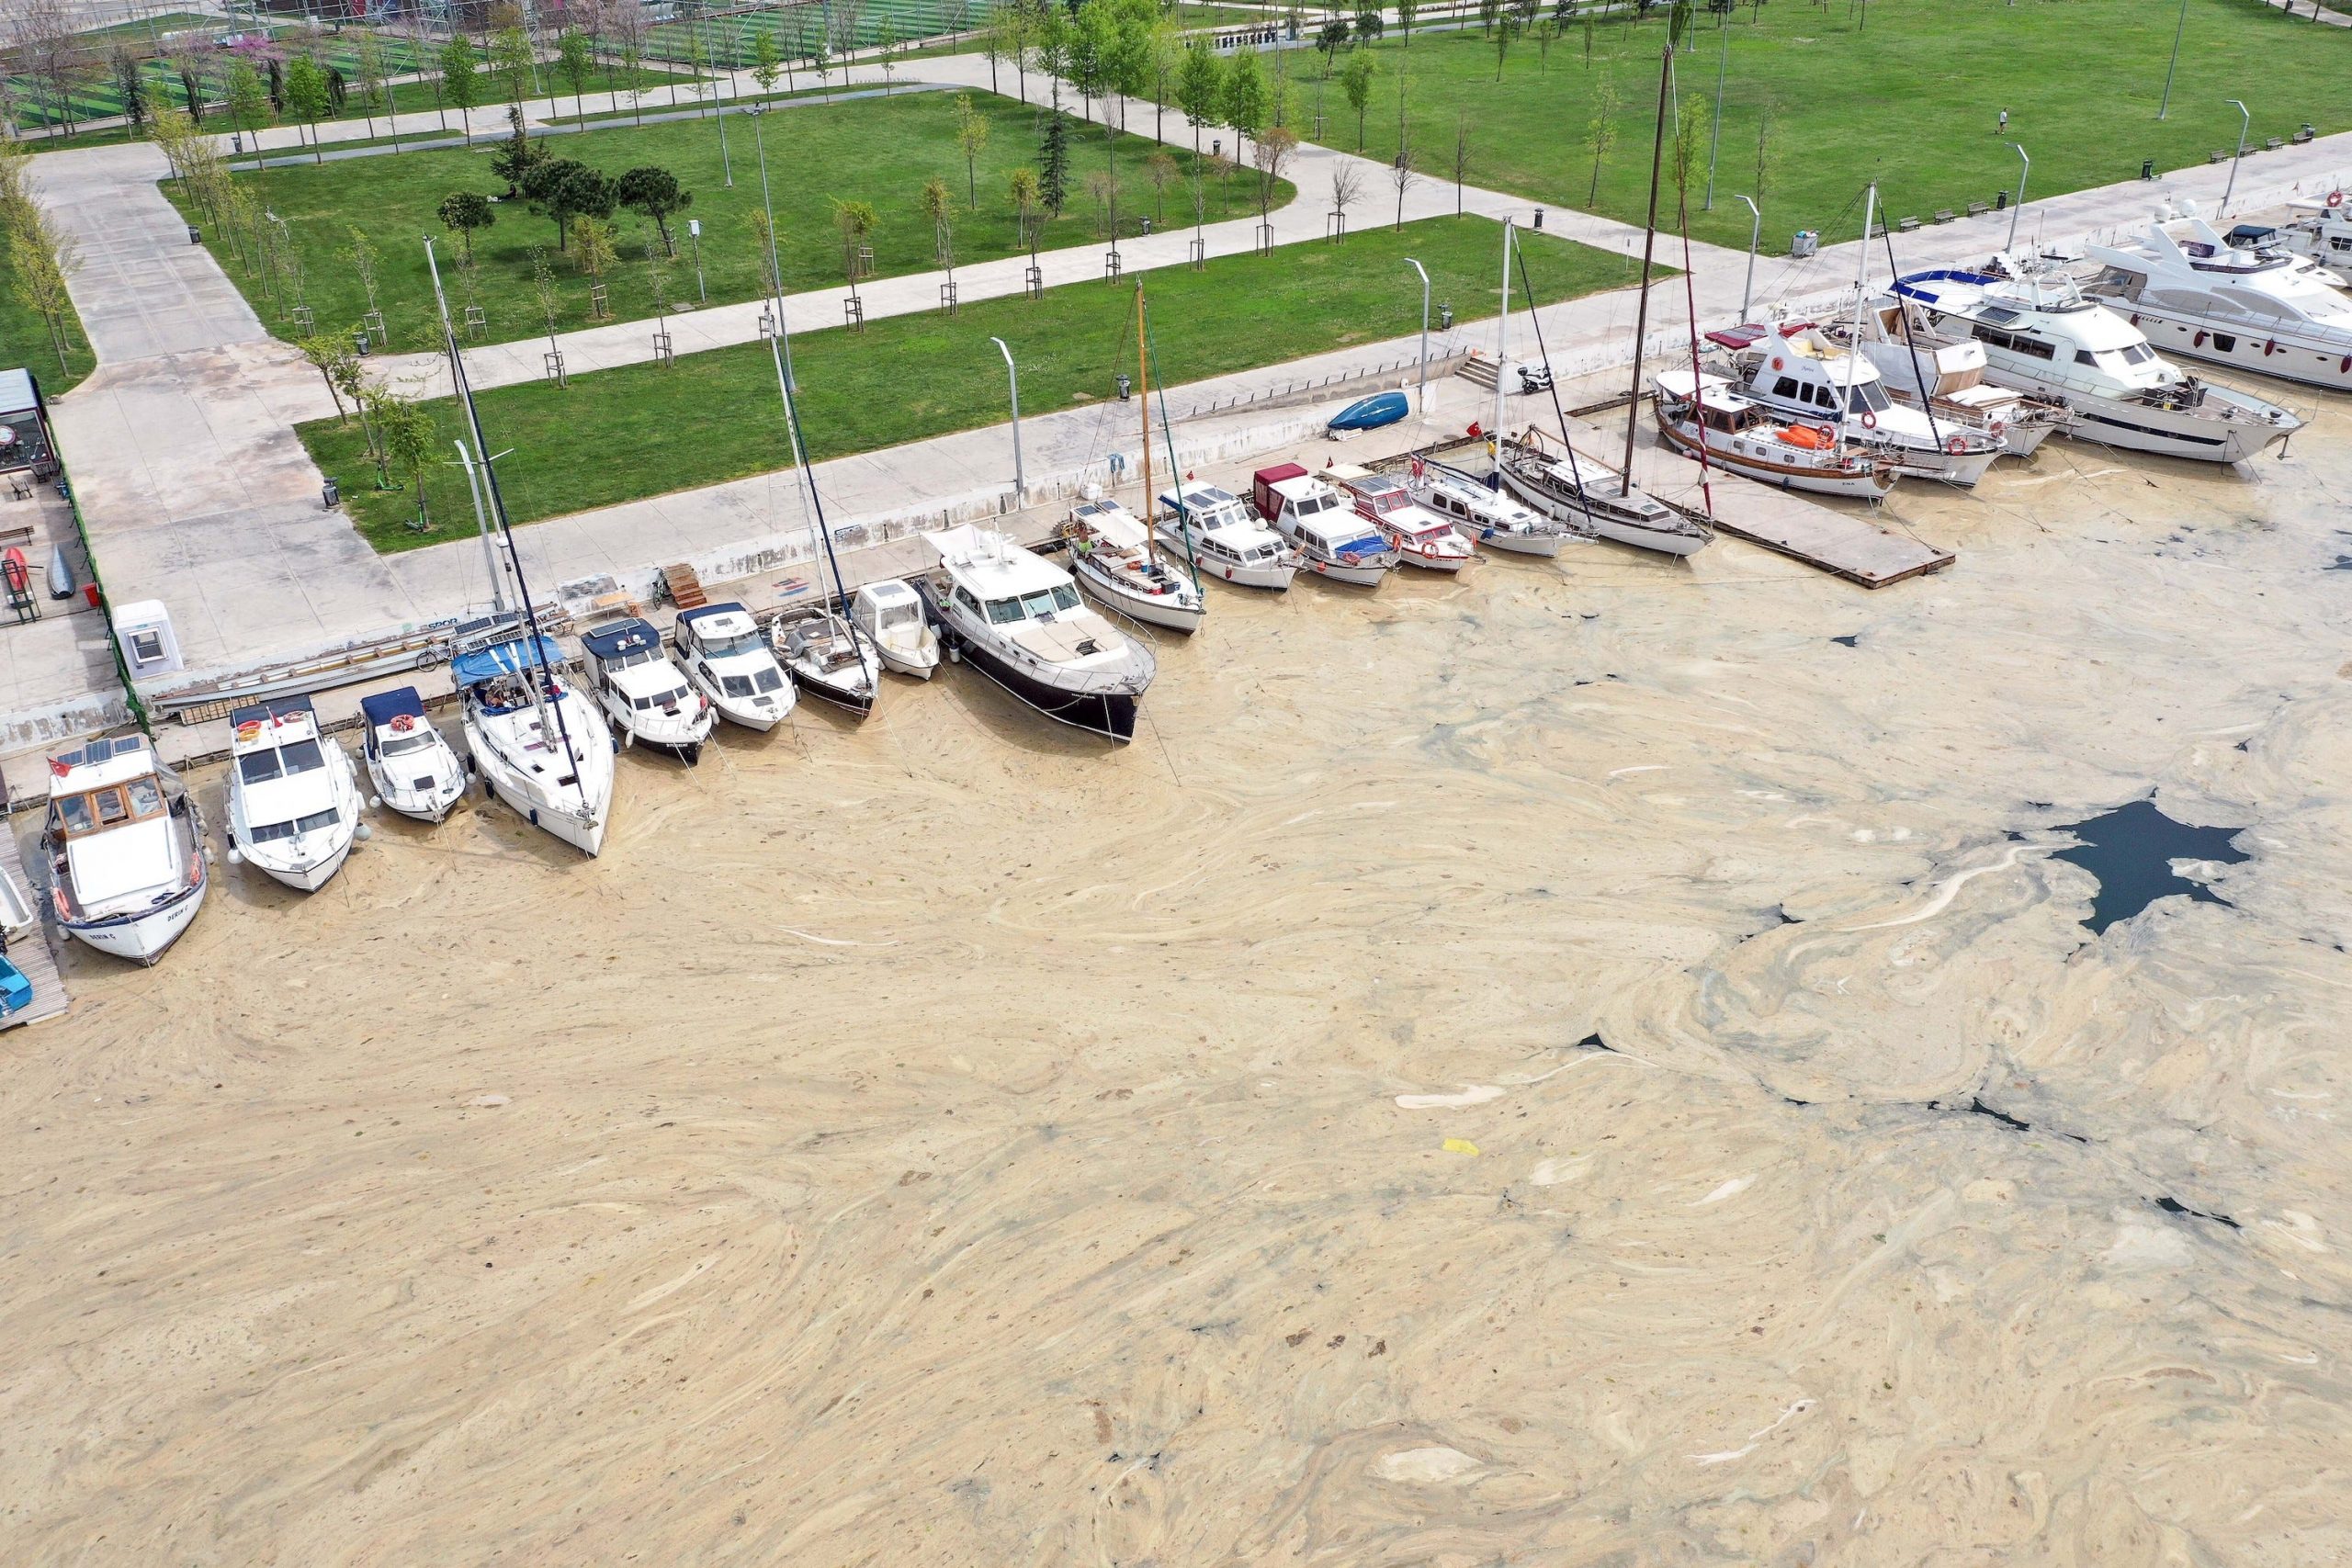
(1372, 412)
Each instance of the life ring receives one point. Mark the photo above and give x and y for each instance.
(1999, 430)
(1956, 446)
(2336, 198)
(1777, 363)
(1869, 420)
(1825, 433)
(403, 723)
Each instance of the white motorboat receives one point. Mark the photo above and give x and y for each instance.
(538, 743)
(125, 849)
(646, 698)
(1945, 379)
(890, 614)
(1209, 528)
(1420, 536)
(412, 766)
(1111, 556)
(1576, 490)
(2323, 231)
(1018, 620)
(829, 656)
(1705, 415)
(293, 794)
(726, 657)
(2040, 335)
(1483, 513)
(1332, 541)
(2194, 294)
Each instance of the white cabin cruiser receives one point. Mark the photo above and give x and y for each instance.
(643, 693)
(2321, 230)
(1582, 494)
(1332, 541)
(293, 794)
(1018, 620)
(538, 741)
(1111, 556)
(890, 614)
(1797, 373)
(1483, 514)
(1420, 536)
(1702, 414)
(727, 659)
(2192, 293)
(829, 656)
(1947, 379)
(1211, 529)
(414, 769)
(125, 848)
(2040, 335)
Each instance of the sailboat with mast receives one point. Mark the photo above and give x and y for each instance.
(1111, 551)
(534, 737)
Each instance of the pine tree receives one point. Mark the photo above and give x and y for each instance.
(1053, 154)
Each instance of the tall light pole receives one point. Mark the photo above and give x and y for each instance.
(1013, 377)
(2018, 210)
(1424, 395)
(2246, 123)
(1754, 232)
(2178, 28)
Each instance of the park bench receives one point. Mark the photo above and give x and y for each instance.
(2306, 134)
(1906, 226)
(1979, 208)
(1943, 214)
(2272, 145)
(2220, 156)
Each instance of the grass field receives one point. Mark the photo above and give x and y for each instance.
(25, 340)
(1904, 91)
(616, 436)
(876, 149)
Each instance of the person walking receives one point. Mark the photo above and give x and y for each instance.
(2004, 122)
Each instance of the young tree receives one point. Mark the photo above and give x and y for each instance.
(1355, 80)
(363, 256)
(1200, 93)
(1271, 153)
(368, 71)
(575, 62)
(1054, 154)
(1400, 175)
(1505, 34)
(248, 99)
(1347, 185)
(329, 353)
(767, 61)
(1167, 51)
(939, 206)
(407, 436)
(820, 61)
(1243, 104)
(1024, 190)
(855, 220)
(518, 155)
(593, 249)
(1098, 191)
(886, 44)
(763, 248)
(1332, 39)
(1162, 171)
(1369, 24)
(464, 211)
(1461, 159)
(1601, 131)
(130, 86)
(1766, 157)
(1407, 10)
(42, 257)
(460, 78)
(655, 193)
(972, 130)
(564, 188)
(512, 63)
(306, 98)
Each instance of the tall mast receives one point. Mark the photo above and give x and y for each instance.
(1502, 338)
(1861, 292)
(1143, 385)
(1650, 248)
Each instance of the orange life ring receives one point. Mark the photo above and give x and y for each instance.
(1824, 433)
(1777, 364)
(2336, 198)
(403, 723)
(1999, 430)
(1955, 446)
(1869, 420)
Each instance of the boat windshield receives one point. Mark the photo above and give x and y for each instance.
(660, 699)
(405, 745)
(896, 615)
(1866, 397)
(726, 646)
(269, 832)
(1028, 607)
(1308, 505)
(2116, 358)
(280, 762)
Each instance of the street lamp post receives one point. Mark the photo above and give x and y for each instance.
(1423, 397)
(2178, 28)
(1013, 378)
(2246, 123)
(2019, 209)
(1754, 232)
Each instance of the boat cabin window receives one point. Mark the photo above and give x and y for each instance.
(768, 680)
(659, 699)
(964, 597)
(1786, 387)
(402, 745)
(2016, 342)
(1866, 397)
(109, 807)
(1308, 505)
(280, 762)
(269, 832)
(726, 646)
(896, 616)
(1029, 606)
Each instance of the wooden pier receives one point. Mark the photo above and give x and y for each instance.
(31, 954)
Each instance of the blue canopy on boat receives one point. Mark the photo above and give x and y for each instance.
(502, 658)
(611, 641)
(386, 707)
(1372, 412)
(729, 608)
(269, 708)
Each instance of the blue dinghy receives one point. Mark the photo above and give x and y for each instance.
(1372, 412)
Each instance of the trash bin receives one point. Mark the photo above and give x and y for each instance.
(2147, 168)
(1445, 318)
(195, 235)
(1146, 225)
(360, 341)
(332, 495)
(1126, 387)
(1807, 242)
(2000, 202)
(236, 141)
(1539, 217)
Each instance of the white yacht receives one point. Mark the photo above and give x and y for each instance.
(538, 741)
(1212, 529)
(2321, 231)
(643, 693)
(1797, 373)
(1482, 512)
(1576, 491)
(2040, 335)
(1420, 536)
(1018, 620)
(890, 614)
(2194, 294)
(727, 659)
(1111, 554)
(1699, 413)
(829, 656)
(1947, 379)
(125, 849)
(1331, 540)
(414, 767)
(293, 794)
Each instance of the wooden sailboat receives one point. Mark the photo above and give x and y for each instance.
(1112, 552)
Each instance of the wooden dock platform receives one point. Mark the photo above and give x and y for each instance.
(32, 954)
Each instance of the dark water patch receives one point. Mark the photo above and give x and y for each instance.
(2130, 850)
(2343, 563)
(2174, 1206)
(1595, 1042)
(1787, 918)
(2246, 746)
(1793, 1099)
(1846, 641)
(1976, 1107)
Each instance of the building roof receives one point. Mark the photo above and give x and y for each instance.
(17, 393)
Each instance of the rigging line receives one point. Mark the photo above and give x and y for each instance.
(824, 531)
(1175, 475)
(1575, 473)
(1690, 301)
(1918, 376)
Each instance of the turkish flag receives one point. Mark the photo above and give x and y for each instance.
(58, 768)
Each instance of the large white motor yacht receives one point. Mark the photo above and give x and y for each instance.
(293, 794)
(125, 849)
(2040, 335)
(2194, 293)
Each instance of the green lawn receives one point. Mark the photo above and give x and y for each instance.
(1907, 91)
(25, 340)
(622, 435)
(878, 150)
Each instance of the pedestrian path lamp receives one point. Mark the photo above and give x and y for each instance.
(1754, 232)
(2246, 123)
(1013, 377)
(1422, 401)
(2019, 209)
